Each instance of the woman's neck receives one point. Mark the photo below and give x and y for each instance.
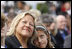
(22, 40)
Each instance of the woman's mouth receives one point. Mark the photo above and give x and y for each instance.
(28, 29)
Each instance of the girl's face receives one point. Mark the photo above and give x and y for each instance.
(25, 26)
(41, 39)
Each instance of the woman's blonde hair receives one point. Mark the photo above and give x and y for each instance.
(16, 21)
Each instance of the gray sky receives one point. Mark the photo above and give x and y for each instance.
(34, 3)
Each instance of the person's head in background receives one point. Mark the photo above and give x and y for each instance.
(20, 4)
(67, 5)
(52, 7)
(37, 13)
(27, 7)
(61, 22)
(41, 38)
(68, 19)
(11, 15)
(3, 23)
(48, 22)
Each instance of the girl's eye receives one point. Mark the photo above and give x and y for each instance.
(42, 36)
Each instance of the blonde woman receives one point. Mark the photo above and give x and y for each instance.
(22, 28)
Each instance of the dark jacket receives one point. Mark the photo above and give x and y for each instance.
(60, 39)
(13, 42)
(53, 40)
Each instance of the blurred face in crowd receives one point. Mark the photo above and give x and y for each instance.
(61, 22)
(67, 5)
(52, 26)
(41, 39)
(46, 25)
(27, 7)
(53, 8)
(26, 26)
(20, 5)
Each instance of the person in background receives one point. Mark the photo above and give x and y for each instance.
(38, 14)
(27, 8)
(67, 7)
(53, 10)
(3, 21)
(61, 32)
(67, 42)
(49, 23)
(20, 6)
(10, 16)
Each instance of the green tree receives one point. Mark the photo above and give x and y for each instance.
(42, 7)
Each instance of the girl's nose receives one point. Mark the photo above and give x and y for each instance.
(39, 40)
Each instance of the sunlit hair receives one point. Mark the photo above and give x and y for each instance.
(16, 21)
(37, 14)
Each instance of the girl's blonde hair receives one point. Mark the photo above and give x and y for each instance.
(16, 20)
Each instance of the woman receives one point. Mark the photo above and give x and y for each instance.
(41, 38)
(21, 30)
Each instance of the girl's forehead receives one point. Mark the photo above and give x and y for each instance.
(40, 32)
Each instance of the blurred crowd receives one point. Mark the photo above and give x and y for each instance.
(56, 24)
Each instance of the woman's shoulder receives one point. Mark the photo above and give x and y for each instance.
(8, 41)
(9, 38)
(12, 42)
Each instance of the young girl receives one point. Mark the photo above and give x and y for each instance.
(41, 38)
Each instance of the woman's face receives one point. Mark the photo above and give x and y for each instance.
(25, 26)
(41, 39)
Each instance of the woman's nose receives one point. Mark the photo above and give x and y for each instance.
(27, 24)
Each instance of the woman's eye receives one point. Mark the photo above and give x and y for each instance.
(32, 25)
(24, 22)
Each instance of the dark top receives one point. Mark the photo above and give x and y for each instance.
(53, 40)
(13, 42)
(60, 37)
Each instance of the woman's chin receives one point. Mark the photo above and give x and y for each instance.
(26, 35)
